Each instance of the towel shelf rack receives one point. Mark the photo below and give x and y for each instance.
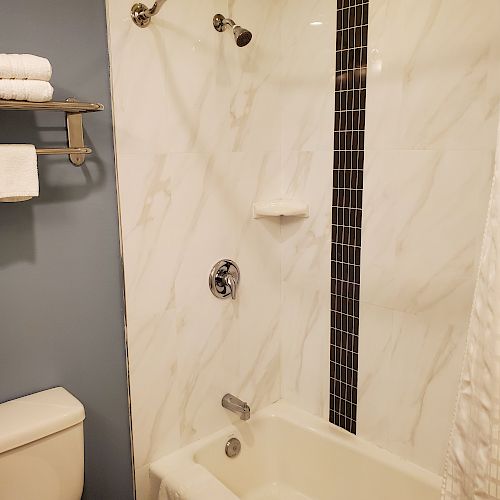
(69, 106)
(74, 124)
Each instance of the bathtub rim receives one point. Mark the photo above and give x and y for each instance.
(283, 410)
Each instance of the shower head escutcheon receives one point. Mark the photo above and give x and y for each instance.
(241, 35)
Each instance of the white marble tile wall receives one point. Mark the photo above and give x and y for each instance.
(308, 68)
(204, 129)
(432, 115)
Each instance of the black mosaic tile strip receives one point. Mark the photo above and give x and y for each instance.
(349, 138)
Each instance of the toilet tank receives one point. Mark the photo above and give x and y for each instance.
(41, 447)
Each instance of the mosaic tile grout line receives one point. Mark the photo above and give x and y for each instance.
(349, 127)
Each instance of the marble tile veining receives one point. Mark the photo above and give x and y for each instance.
(409, 373)
(433, 74)
(432, 113)
(423, 222)
(204, 129)
(305, 313)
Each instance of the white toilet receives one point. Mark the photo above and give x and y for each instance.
(41, 447)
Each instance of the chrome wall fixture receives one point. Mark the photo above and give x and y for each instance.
(141, 14)
(241, 35)
(224, 279)
(236, 405)
(233, 447)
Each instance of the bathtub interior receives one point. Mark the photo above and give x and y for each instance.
(281, 459)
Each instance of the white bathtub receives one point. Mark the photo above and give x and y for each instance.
(288, 454)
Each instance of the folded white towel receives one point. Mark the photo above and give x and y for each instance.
(25, 67)
(18, 172)
(26, 90)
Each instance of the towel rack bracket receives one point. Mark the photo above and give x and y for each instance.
(74, 125)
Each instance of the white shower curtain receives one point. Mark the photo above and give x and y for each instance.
(472, 469)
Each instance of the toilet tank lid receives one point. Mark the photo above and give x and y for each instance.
(36, 416)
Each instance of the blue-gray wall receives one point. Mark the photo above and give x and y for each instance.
(61, 306)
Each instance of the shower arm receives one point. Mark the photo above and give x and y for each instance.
(228, 22)
(141, 14)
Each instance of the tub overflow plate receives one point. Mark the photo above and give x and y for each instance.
(233, 447)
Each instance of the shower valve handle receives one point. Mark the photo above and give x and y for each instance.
(224, 279)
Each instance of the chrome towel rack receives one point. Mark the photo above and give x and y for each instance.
(63, 151)
(74, 124)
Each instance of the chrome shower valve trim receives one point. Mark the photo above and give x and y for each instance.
(224, 279)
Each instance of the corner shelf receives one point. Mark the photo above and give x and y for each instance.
(280, 208)
(74, 124)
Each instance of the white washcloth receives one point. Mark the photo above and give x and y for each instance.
(18, 172)
(25, 67)
(26, 90)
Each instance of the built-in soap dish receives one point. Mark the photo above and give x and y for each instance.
(278, 208)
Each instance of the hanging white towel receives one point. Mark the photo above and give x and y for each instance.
(25, 67)
(26, 90)
(18, 172)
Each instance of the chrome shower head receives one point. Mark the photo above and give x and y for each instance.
(241, 35)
